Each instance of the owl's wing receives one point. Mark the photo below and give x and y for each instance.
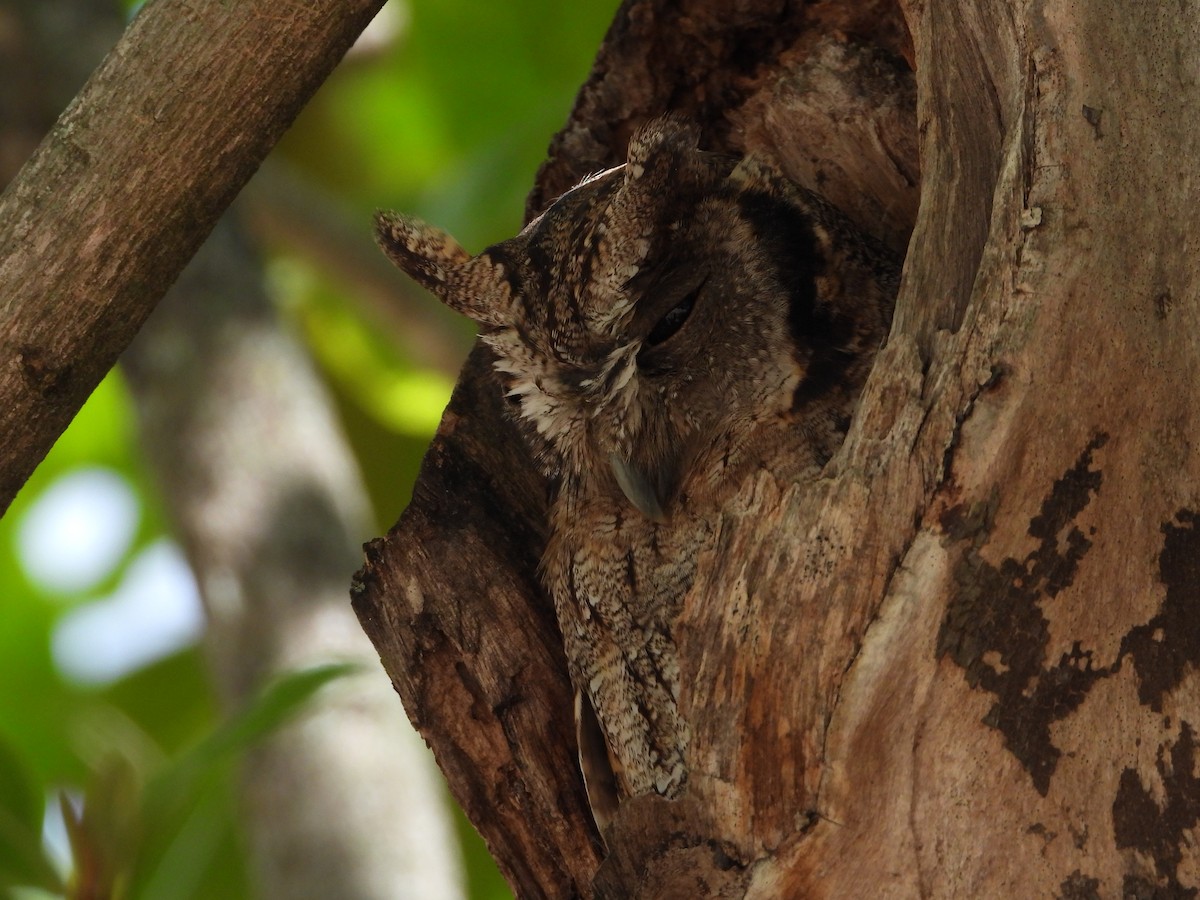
(598, 765)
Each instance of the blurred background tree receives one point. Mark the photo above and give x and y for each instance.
(126, 712)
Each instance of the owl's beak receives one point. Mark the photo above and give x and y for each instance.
(647, 494)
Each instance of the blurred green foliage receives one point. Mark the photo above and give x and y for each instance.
(447, 116)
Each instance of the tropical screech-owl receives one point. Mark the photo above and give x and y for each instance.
(665, 329)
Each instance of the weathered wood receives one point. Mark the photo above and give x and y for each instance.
(1009, 726)
(119, 196)
(452, 602)
(699, 59)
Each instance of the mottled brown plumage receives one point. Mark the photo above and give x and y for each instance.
(665, 329)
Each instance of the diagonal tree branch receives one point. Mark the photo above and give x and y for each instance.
(119, 196)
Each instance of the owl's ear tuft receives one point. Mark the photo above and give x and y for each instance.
(662, 166)
(661, 150)
(476, 287)
(430, 256)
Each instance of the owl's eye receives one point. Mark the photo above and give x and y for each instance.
(669, 324)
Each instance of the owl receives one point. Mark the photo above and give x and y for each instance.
(665, 330)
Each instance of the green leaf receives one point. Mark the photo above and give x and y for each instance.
(278, 702)
(22, 860)
(112, 819)
(192, 849)
(19, 796)
(174, 799)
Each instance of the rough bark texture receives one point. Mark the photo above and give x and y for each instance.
(963, 663)
(119, 196)
(479, 663)
(698, 59)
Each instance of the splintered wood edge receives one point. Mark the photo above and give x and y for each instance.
(451, 600)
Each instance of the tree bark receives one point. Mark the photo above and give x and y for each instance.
(963, 662)
(122, 192)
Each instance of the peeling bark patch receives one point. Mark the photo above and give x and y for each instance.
(994, 378)
(721, 858)
(1078, 886)
(995, 630)
(1135, 887)
(1159, 832)
(1166, 646)
(1163, 302)
(48, 379)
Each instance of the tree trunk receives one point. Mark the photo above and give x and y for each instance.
(963, 662)
(267, 500)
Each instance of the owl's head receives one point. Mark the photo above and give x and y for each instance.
(653, 313)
